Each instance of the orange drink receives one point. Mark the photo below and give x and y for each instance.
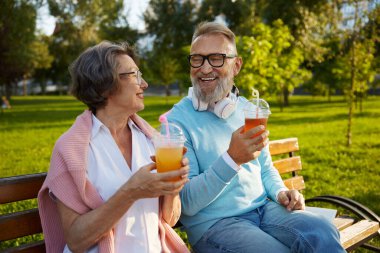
(251, 123)
(255, 115)
(168, 159)
(169, 148)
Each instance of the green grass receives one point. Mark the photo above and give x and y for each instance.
(29, 130)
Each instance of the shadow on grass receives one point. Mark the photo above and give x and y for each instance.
(34, 119)
(368, 197)
(303, 120)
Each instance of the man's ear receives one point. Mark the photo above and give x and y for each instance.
(237, 65)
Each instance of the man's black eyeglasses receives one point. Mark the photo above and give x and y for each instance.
(215, 60)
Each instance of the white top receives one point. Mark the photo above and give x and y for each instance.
(137, 230)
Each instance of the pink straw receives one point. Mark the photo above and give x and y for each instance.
(164, 120)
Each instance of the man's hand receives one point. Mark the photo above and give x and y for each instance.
(243, 148)
(292, 200)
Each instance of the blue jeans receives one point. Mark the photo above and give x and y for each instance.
(271, 228)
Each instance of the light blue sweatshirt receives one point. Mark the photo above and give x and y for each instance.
(216, 190)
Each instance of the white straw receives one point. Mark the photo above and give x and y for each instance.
(255, 94)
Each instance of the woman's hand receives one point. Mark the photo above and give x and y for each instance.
(145, 184)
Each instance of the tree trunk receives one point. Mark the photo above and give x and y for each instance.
(329, 94)
(24, 86)
(281, 102)
(43, 86)
(167, 93)
(349, 126)
(8, 91)
(286, 96)
(351, 95)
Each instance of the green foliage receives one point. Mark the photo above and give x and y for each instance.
(363, 69)
(80, 25)
(325, 81)
(171, 23)
(270, 63)
(307, 21)
(239, 15)
(20, 50)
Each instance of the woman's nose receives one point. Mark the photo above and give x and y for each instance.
(144, 84)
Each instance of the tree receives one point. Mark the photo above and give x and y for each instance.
(115, 27)
(307, 21)
(271, 65)
(40, 59)
(239, 15)
(372, 31)
(325, 81)
(82, 24)
(171, 24)
(20, 51)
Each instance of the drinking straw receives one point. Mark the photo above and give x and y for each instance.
(164, 120)
(255, 94)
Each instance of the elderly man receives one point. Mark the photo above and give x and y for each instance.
(235, 200)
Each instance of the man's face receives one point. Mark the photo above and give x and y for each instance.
(213, 83)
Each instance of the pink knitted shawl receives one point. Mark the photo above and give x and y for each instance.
(67, 179)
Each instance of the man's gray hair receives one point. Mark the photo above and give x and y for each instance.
(213, 28)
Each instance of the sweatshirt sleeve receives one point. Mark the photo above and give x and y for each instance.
(204, 188)
(272, 180)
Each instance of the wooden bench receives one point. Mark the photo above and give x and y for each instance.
(22, 223)
(356, 228)
(355, 232)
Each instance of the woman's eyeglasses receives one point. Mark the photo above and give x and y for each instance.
(137, 73)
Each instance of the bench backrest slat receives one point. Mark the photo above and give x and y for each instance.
(283, 146)
(296, 183)
(20, 224)
(20, 187)
(287, 165)
(34, 247)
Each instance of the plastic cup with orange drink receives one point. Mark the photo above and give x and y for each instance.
(169, 148)
(256, 113)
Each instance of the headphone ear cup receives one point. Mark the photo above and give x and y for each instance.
(224, 108)
(198, 104)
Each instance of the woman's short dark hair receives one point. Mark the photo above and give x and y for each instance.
(94, 73)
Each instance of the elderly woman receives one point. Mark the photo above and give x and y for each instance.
(101, 193)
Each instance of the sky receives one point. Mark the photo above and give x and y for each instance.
(46, 23)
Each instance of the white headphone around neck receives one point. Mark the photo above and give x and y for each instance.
(223, 108)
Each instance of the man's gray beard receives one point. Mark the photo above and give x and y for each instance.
(221, 90)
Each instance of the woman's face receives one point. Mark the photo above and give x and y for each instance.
(130, 95)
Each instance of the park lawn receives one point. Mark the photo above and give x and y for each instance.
(29, 130)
